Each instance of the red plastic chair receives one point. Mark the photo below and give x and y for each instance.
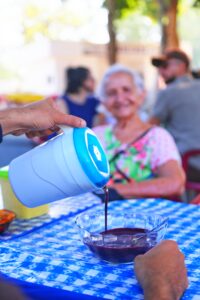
(196, 200)
(190, 185)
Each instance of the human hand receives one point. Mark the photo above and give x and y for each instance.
(161, 272)
(37, 119)
(125, 189)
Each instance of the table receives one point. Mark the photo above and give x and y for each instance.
(48, 250)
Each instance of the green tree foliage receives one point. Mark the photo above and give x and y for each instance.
(196, 3)
(150, 8)
(162, 12)
(126, 7)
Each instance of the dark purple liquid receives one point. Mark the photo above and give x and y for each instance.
(118, 244)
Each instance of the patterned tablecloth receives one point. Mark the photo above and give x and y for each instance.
(48, 250)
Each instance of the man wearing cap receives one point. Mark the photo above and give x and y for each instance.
(178, 106)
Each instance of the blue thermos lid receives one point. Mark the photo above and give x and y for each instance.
(91, 156)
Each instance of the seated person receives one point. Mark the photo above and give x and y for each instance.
(78, 98)
(144, 160)
(196, 200)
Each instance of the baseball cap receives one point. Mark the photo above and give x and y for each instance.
(161, 61)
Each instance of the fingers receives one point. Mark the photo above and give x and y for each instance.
(42, 133)
(42, 119)
(169, 244)
(33, 134)
(165, 264)
(18, 132)
(48, 108)
(186, 282)
(65, 119)
(69, 120)
(138, 258)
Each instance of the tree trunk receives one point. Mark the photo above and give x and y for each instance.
(168, 20)
(112, 45)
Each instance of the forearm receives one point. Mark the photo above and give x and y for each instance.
(158, 187)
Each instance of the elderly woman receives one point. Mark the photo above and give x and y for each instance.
(144, 160)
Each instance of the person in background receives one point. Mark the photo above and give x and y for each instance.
(163, 63)
(177, 106)
(78, 98)
(160, 278)
(196, 74)
(144, 160)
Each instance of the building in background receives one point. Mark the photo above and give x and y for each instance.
(39, 68)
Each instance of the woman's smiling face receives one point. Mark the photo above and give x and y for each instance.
(122, 98)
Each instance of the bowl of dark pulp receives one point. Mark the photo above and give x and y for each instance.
(126, 236)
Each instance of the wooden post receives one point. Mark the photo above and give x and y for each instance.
(168, 21)
(112, 45)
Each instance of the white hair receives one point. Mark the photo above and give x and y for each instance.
(114, 69)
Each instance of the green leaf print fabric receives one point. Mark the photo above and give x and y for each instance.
(135, 162)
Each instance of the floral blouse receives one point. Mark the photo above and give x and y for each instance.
(139, 160)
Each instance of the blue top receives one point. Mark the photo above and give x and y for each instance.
(86, 111)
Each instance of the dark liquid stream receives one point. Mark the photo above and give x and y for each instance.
(118, 244)
(106, 192)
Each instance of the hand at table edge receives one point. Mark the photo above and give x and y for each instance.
(161, 272)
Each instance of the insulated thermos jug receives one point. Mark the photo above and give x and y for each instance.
(69, 164)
